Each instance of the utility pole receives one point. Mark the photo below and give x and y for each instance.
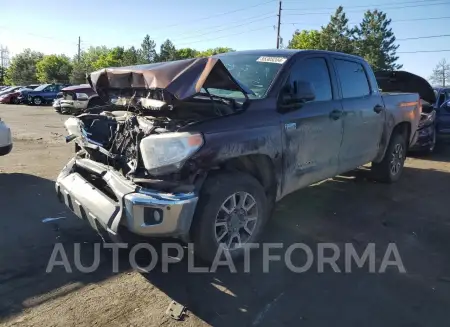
(279, 23)
(4, 62)
(79, 48)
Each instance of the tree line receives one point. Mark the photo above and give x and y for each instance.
(31, 67)
(372, 39)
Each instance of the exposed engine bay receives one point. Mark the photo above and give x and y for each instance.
(118, 134)
(140, 131)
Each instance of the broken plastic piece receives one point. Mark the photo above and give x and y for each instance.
(176, 310)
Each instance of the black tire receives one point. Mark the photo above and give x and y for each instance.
(37, 101)
(383, 171)
(215, 191)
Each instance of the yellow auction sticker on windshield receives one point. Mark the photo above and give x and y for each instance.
(275, 60)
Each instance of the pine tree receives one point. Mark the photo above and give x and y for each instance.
(336, 36)
(167, 52)
(147, 51)
(375, 41)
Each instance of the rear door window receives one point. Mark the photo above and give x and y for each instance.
(353, 79)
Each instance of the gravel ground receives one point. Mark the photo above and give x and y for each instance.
(347, 209)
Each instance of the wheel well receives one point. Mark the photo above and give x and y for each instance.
(260, 167)
(403, 128)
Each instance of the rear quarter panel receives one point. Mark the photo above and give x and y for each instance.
(400, 107)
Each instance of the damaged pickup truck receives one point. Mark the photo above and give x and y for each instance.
(201, 149)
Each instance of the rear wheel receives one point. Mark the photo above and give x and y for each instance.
(390, 168)
(231, 214)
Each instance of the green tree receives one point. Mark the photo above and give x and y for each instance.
(186, 53)
(22, 69)
(214, 51)
(53, 68)
(113, 58)
(85, 64)
(130, 57)
(336, 35)
(305, 40)
(147, 52)
(78, 74)
(375, 41)
(167, 52)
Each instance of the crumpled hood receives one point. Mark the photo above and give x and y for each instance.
(403, 81)
(181, 78)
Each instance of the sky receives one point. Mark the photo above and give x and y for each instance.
(52, 26)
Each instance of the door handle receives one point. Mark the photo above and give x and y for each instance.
(335, 114)
(378, 108)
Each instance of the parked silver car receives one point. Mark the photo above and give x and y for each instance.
(5, 139)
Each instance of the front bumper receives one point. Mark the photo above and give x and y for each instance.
(120, 202)
(72, 106)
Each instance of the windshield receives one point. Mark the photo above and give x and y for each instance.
(41, 87)
(254, 71)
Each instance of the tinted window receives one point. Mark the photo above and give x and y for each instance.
(50, 88)
(315, 71)
(353, 79)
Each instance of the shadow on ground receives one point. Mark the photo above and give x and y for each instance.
(27, 242)
(351, 208)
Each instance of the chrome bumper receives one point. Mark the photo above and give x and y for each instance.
(143, 211)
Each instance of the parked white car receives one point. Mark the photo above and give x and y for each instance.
(5, 139)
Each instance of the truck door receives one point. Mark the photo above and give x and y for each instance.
(363, 114)
(312, 132)
(50, 92)
(443, 118)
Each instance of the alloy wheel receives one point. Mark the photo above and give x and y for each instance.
(236, 220)
(397, 159)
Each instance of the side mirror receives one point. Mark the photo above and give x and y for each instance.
(295, 94)
(304, 91)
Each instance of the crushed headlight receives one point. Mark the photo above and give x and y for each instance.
(167, 152)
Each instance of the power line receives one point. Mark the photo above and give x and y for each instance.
(393, 21)
(422, 37)
(225, 29)
(221, 14)
(368, 5)
(347, 11)
(220, 37)
(228, 24)
(424, 51)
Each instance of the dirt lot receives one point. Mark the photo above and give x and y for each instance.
(413, 213)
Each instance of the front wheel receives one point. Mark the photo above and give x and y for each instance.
(37, 101)
(231, 213)
(390, 168)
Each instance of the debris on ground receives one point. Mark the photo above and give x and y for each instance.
(48, 220)
(176, 310)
